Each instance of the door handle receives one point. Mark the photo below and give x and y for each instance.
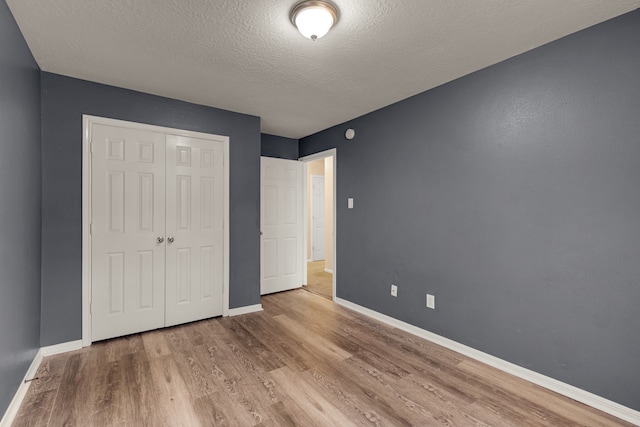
(170, 240)
(160, 239)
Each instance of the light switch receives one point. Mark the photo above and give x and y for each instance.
(350, 203)
(431, 301)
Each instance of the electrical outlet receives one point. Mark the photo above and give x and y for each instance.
(394, 291)
(431, 301)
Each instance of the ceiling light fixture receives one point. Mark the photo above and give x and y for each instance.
(314, 19)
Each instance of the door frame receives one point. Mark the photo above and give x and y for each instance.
(87, 122)
(306, 159)
(311, 212)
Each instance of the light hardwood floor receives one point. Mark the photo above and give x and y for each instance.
(303, 361)
(319, 281)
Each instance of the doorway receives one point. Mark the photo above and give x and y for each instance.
(319, 215)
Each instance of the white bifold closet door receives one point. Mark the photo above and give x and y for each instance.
(194, 265)
(156, 230)
(281, 225)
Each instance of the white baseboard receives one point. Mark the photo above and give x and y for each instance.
(14, 406)
(245, 310)
(575, 393)
(61, 348)
(328, 270)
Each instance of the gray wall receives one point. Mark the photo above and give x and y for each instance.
(513, 195)
(64, 100)
(279, 146)
(20, 208)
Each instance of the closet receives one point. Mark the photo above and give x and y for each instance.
(157, 206)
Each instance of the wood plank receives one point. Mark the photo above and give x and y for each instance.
(398, 403)
(35, 410)
(73, 405)
(108, 399)
(173, 400)
(287, 413)
(155, 344)
(261, 355)
(234, 373)
(219, 409)
(320, 345)
(140, 394)
(189, 366)
(450, 406)
(119, 347)
(309, 398)
(351, 401)
(296, 354)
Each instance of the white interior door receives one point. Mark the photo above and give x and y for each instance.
(127, 205)
(195, 202)
(281, 225)
(317, 217)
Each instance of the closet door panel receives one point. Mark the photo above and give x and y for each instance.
(127, 211)
(194, 221)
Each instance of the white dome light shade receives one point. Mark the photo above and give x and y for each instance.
(314, 19)
(314, 22)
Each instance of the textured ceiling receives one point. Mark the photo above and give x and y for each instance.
(245, 56)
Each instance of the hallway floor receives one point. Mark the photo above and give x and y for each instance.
(319, 281)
